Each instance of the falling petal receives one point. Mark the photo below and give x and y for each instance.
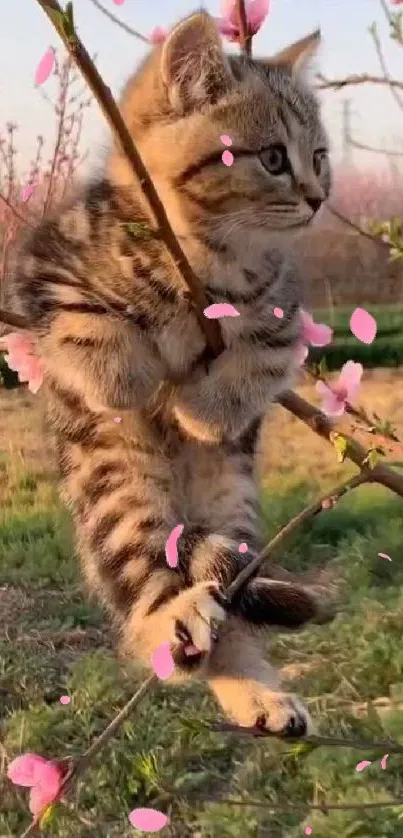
(385, 556)
(278, 312)
(226, 139)
(227, 158)
(149, 820)
(117, 419)
(361, 765)
(243, 548)
(171, 545)
(162, 661)
(363, 325)
(217, 310)
(45, 67)
(308, 830)
(64, 699)
(383, 761)
(118, 2)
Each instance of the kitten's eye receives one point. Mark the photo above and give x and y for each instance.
(320, 159)
(275, 159)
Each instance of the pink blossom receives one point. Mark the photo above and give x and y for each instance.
(158, 35)
(336, 394)
(42, 776)
(317, 334)
(22, 359)
(229, 25)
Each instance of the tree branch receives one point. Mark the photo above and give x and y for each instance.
(321, 424)
(354, 79)
(245, 34)
(316, 741)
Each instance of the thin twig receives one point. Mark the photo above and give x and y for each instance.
(120, 23)
(373, 149)
(310, 511)
(82, 763)
(245, 34)
(317, 741)
(384, 66)
(354, 79)
(355, 226)
(103, 95)
(324, 807)
(15, 212)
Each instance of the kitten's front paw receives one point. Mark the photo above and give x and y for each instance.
(277, 712)
(196, 616)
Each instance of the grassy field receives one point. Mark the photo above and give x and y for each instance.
(54, 642)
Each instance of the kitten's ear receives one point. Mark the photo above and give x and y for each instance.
(194, 68)
(297, 55)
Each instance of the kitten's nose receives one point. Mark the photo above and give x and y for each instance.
(314, 203)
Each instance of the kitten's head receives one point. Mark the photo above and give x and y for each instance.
(188, 94)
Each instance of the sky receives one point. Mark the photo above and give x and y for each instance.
(347, 48)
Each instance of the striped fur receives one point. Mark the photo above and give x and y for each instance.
(115, 324)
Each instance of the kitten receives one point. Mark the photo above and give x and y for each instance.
(114, 323)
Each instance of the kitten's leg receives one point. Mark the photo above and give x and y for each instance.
(247, 687)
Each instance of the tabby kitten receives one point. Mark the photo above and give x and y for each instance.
(114, 321)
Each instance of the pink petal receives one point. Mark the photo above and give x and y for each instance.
(385, 556)
(158, 35)
(118, 2)
(23, 770)
(243, 547)
(226, 139)
(256, 14)
(332, 403)
(227, 158)
(308, 830)
(162, 661)
(350, 378)
(27, 191)
(226, 28)
(171, 549)
(361, 765)
(48, 788)
(278, 312)
(64, 699)
(363, 325)
(317, 334)
(149, 820)
(18, 340)
(217, 310)
(45, 67)
(117, 419)
(383, 761)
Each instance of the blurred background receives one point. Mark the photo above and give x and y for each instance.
(53, 640)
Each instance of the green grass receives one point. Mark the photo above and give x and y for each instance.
(54, 642)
